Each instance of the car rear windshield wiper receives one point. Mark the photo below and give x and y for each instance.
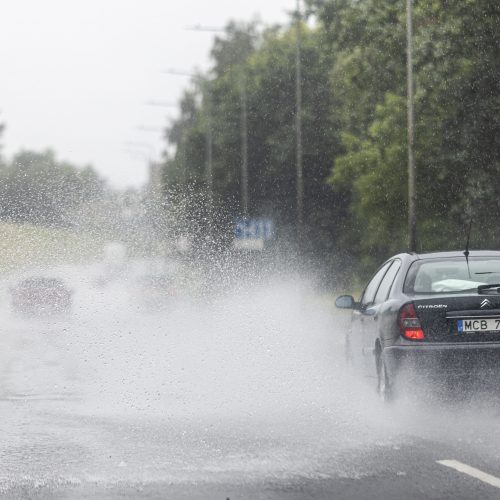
(484, 288)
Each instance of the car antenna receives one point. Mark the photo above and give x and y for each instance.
(466, 252)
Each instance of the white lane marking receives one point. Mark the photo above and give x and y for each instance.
(471, 471)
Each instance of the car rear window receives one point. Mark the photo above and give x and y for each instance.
(451, 274)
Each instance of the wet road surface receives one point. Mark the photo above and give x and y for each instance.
(243, 396)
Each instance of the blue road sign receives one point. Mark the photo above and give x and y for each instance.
(260, 228)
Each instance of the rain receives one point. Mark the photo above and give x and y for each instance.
(174, 242)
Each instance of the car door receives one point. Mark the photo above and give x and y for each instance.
(373, 314)
(363, 317)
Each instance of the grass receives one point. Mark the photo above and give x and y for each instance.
(25, 245)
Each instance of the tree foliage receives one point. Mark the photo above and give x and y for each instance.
(354, 124)
(261, 70)
(39, 189)
(457, 128)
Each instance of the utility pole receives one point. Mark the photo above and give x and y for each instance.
(298, 126)
(210, 147)
(243, 123)
(412, 170)
(244, 145)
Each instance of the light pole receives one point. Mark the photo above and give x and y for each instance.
(412, 170)
(210, 149)
(243, 122)
(298, 126)
(244, 145)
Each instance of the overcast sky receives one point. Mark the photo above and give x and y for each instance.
(75, 74)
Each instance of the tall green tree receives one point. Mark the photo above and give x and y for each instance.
(264, 70)
(457, 89)
(354, 125)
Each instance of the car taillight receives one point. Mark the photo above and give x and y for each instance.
(409, 324)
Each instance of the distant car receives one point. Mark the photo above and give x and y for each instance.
(427, 317)
(40, 295)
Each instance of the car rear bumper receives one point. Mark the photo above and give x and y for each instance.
(445, 358)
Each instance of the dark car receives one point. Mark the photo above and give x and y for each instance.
(427, 317)
(41, 295)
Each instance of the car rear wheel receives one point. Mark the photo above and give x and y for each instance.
(385, 386)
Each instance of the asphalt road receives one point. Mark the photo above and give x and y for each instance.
(245, 396)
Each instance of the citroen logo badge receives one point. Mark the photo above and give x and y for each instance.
(486, 304)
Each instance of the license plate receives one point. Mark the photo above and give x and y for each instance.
(479, 325)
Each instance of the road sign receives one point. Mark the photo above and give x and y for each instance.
(254, 229)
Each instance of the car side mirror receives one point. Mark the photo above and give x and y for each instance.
(345, 302)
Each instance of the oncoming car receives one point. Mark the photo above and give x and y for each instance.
(40, 295)
(426, 316)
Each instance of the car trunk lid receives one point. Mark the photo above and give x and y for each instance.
(460, 318)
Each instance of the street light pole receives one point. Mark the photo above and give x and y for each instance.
(210, 142)
(298, 125)
(243, 124)
(244, 145)
(412, 170)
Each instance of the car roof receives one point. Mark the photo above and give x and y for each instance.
(456, 253)
(37, 280)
